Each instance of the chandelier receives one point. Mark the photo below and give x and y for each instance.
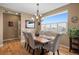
(37, 16)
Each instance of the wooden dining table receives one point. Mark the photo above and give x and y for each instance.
(42, 41)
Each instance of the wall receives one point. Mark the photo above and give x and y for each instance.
(1, 28)
(73, 10)
(10, 32)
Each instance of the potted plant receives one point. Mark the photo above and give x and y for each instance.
(73, 32)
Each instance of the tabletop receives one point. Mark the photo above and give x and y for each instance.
(41, 39)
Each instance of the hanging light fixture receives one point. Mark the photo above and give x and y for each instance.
(37, 16)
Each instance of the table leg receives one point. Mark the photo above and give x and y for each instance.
(42, 53)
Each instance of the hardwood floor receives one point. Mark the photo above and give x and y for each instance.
(14, 47)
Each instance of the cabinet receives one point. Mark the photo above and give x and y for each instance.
(74, 44)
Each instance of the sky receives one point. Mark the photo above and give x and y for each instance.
(55, 19)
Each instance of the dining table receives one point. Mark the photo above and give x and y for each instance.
(42, 41)
(48, 37)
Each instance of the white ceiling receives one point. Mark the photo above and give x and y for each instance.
(31, 7)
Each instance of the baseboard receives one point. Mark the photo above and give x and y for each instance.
(1, 45)
(10, 39)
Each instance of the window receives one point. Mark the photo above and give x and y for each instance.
(56, 23)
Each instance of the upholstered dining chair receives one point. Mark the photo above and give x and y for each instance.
(26, 39)
(53, 46)
(32, 43)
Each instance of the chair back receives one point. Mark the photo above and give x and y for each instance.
(56, 42)
(31, 41)
(26, 37)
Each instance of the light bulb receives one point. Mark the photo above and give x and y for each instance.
(40, 15)
(32, 18)
(16, 13)
(37, 17)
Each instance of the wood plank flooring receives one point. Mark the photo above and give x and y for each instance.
(14, 47)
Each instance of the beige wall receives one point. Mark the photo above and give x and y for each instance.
(73, 10)
(1, 28)
(10, 32)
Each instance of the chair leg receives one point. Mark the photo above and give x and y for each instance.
(58, 52)
(33, 51)
(25, 45)
(53, 53)
(29, 49)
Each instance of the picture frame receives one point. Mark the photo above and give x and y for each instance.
(74, 19)
(10, 24)
(29, 24)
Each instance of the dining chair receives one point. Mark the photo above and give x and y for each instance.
(32, 43)
(53, 46)
(26, 39)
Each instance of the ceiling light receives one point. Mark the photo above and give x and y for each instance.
(37, 17)
(32, 18)
(16, 13)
